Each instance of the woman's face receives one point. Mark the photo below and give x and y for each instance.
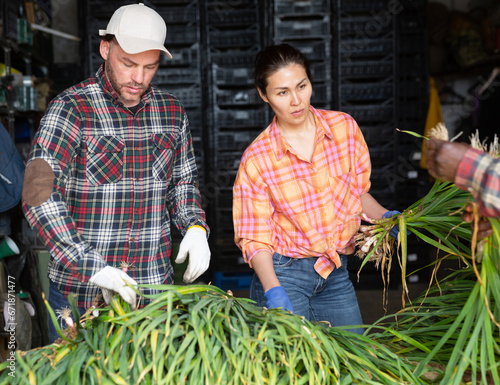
(288, 93)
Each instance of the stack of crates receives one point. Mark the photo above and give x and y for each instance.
(307, 25)
(365, 68)
(237, 116)
(413, 101)
(181, 76)
(366, 90)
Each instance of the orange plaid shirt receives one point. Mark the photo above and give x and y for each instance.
(285, 204)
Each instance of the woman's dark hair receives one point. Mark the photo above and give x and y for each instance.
(274, 57)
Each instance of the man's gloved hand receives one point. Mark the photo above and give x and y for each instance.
(195, 244)
(111, 279)
(276, 297)
(395, 229)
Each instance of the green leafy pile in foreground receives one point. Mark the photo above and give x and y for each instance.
(202, 335)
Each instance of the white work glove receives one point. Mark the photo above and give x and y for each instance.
(111, 279)
(195, 244)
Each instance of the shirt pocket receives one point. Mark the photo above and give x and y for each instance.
(342, 182)
(104, 159)
(163, 154)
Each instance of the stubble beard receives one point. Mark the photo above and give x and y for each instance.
(118, 88)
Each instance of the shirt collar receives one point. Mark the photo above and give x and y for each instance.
(102, 79)
(281, 146)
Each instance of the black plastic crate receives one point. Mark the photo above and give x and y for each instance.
(175, 14)
(301, 8)
(181, 56)
(366, 91)
(236, 57)
(233, 38)
(366, 47)
(228, 161)
(370, 113)
(383, 154)
(240, 97)
(221, 179)
(413, 87)
(224, 203)
(105, 9)
(412, 21)
(233, 281)
(226, 15)
(315, 50)
(241, 118)
(377, 134)
(190, 96)
(184, 75)
(367, 69)
(366, 25)
(362, 5)
(382, 172)
(195, 118)
(415, 66)
(310, 28)
(414, 109)
(222, 229)
(182, 34)
(230, 260)
(234, 141)
(412, 43)
(224, 76)
(321, 71)
(321, 95)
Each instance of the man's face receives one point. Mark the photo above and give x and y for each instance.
(129, 74)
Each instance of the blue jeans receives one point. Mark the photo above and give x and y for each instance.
(57, 301)
(317, 299)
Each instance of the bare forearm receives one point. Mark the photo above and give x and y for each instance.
(262, 263)
(371, 207)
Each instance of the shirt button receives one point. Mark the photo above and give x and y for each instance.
(323, 214)
(132, 239)
(318, 190)
(137, 149)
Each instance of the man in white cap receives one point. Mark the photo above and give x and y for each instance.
(111, 166)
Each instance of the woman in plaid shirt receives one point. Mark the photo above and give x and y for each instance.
(301, 188)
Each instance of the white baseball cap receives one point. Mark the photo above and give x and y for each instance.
(137, 28)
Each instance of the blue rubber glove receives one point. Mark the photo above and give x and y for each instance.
(276, 297)
(395, 229)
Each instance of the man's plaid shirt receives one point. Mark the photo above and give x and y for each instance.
(120, 179)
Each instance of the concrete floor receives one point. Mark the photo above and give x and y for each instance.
(371, 302)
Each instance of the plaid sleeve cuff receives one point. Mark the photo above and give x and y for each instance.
(251, 248)
(469, 172)
(86, 267)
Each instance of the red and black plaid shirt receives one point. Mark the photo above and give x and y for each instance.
(479, 173)
(120, 179)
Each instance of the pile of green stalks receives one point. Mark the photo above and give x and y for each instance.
(203, 335)
(455, 325)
